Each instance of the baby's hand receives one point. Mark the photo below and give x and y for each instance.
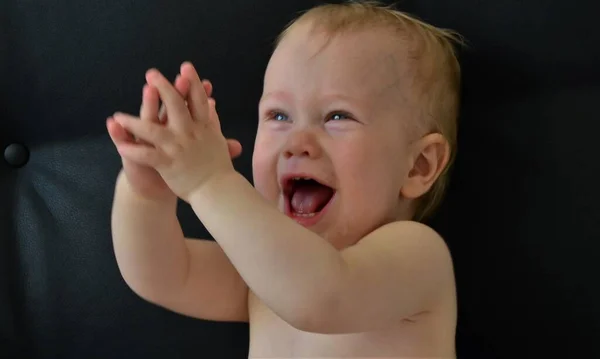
(190, 149)
(143, 179)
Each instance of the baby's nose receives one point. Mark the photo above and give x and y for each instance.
(302, 143)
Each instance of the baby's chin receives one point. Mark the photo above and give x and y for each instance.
(340, 239)
(338, 234)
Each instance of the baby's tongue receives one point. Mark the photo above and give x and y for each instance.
(310, 198)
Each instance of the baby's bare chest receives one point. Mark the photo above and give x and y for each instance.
(272, 337)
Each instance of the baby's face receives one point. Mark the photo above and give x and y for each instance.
(338, 115)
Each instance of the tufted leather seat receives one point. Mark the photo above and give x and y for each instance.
(522, 216)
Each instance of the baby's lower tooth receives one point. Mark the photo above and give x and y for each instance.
(308, 215)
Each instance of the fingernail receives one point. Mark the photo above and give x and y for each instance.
(151, 75)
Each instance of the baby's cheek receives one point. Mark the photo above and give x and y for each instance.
(265, 176)
(356, 162)
(374, 176)
(260, 171)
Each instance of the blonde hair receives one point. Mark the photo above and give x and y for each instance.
(437, 76)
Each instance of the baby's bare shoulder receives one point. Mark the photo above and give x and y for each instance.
(396, 272)
(409, 227)
(402, 235)
(407, 249)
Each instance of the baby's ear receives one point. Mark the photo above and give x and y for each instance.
(430, 157)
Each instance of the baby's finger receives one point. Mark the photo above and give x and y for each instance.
(150, 99)
(179, 116)
(208, 87)
(142, 154)
(117, 133)
(212, 110)
(235, 148)
(197, 99)
(183, 87)
(150, 132)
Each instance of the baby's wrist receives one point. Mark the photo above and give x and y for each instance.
(214, 185)
(125, 188)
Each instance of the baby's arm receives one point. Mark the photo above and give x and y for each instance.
(191, 277)
(394, 273)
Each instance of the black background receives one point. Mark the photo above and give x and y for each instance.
(521, 217)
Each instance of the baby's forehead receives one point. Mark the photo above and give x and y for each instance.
(370, 60)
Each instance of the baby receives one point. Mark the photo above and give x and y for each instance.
(325, 256)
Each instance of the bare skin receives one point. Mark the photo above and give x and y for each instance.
(362, 280)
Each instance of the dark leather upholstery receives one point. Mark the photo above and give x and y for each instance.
(522, 216)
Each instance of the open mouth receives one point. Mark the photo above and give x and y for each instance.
(306, 197)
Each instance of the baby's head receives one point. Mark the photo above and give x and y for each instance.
(363, 99)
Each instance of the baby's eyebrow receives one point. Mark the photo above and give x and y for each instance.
(278, 95)
(286, 96)
(340, 97)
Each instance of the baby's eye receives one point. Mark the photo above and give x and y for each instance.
(278, 116)
(337, 116)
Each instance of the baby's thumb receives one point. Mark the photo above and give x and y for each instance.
(213, 116)
(235, 148)
(117, 132)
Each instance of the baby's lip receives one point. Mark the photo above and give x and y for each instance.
(307, 220)
(286, 181)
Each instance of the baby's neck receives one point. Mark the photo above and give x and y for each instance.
(405, 210)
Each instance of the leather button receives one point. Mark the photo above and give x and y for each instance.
(16, 155)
